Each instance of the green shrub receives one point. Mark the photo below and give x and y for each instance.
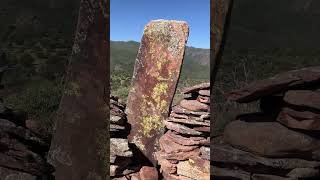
(40, 100)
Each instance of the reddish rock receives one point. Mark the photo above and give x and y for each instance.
(306, 77)
(190, 121)
(194, 168)
(186, 141)
(170, 146)
(166, 165)
(204, 99)
(181, 128)
(180, 116)
(154, 82)
(204, 93)
(303, 98)
(226, 154)
(268, 138)
(306, 120)
(180, 110)
(202, 129)
(148, 173)
(181, 156)
(196, 88)
(194, 105)
(84, 108)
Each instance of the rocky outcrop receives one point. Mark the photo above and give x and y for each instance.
(125, 162)
(154, 81)
(185, 151)
(280, 142)
(22, 152)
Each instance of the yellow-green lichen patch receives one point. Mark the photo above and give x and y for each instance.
(73, 89)
(150, 123)
(137, 141)
(159, 89)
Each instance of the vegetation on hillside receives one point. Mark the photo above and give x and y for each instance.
(195, 68)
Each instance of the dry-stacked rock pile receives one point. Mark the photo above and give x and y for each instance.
(22, 151)
(185, 150)
(125, 162)
(280, 142)
(120, 154)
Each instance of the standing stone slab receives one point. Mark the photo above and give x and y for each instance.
(80, 139)
(154, 82)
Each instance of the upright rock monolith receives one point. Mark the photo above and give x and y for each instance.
(154, 82)
(77, 146)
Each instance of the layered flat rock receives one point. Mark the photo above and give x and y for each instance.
(268, 138)
(180, 110)
(119, 147)
(181, 128)
(306, 77)
(270, 177)
(156, 73)
(193, 121)
(303, 98)
(204, 93)
(304, 173)
(306, 120)
(9, 129)
(194, 168)
(9, 174)
(196, 88)
(194, 105)
(177, 156)
(186, 141)
(223, 153)
(170, 146)
(232, 174)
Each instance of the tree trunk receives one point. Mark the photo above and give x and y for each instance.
(79, 146)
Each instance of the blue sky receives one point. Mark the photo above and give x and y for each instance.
(128, 18)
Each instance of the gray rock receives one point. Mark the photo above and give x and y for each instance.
(269, 177)
(304, 173)
(8, 174)
(205, 153)
(120, 147)
(217, 172)
(226, 154)
(117, 120)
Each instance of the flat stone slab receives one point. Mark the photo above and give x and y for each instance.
(194, 105)
(226, 154)
(196, 88)
(156, 73)
(306, 77)
(119, 147)
(260, 135)
(302, 119)
(303, 98)
(194, 168)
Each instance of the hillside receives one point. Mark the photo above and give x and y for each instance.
(123, 54)
(272, 23)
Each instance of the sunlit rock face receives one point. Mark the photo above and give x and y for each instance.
(156, 73)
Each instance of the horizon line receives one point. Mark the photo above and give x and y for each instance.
(139, 42)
